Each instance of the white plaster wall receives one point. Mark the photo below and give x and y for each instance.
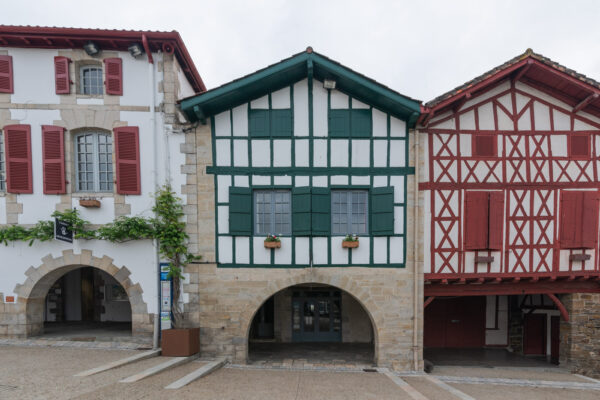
(302, 250)
(102, 215)
(225, 249)
(499, 336)
(240, 120)
(379, 123)
(319, 109)
(136, 88)
(2, 210)
(33, 76)
(185, 89)
(301, 108)
(281, 99)
(223, 124)
(242, 250)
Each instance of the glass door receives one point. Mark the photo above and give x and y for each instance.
(316, 317)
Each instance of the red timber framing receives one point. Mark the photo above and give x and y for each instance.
(534, 109)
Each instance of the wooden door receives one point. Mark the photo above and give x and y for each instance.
(458, 323)
(534, 334)
(554, 339)
(87, 294)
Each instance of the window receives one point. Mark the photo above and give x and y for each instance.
(578, 219)
(270, 123)
(349, 212)
(484, 146)
(272, 212)
(484, 217)
(2, 166)
(93, 162)
(350, 123)
(90, 79)
(579, 146)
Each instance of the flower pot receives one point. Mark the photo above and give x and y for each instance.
(91, 203)
(347, 244)
(272, 245)
(180, 342)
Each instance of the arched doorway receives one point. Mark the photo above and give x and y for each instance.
(314, 322)
(87, 303)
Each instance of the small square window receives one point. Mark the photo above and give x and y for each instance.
(272, 212)
(579, 146)
(90, 80)
(484, 146)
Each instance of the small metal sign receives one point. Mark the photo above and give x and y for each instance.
(62, 231)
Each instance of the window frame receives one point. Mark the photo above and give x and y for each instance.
(82, 69)
(474, 145)
(2, 164)
(272, 212)
(95, 162)
(349, 212)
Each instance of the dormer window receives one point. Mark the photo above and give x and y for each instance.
(90, 78)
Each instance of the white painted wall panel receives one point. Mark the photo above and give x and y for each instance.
(579, 125)
(261, 255)
(339, 153)
(2, 210)
(320, 153)
(397, 153)
(241, 181)
(223, 124)
(338, 100)
(491, 93)
(541, 114)
(320, 248)
(240, 153)
(467, 120)
(505, 123)
(319, 181)
(283, 255)
(261, 153)
(261, 102)
(302, 250)
(223, 183)
(225, 249)
(562, 122)
(261, 180)
(380, 153)
(282, 153)
(302, 152)
(319, 109)
(524, 123)
(396, 249)
(397, 127)
(240, 120)
(361, 180)
(301, 108)
(281, 99)
(380, 181)
(33, 76)
(359, 104)
(302, 181)
(398, 220)
(339, 255)
(282, 180)
(361, 153)
(379, 123)
(380, 250)
(398, 183)
(339, 180)
(136, 90)
(465, 145)
(223, 149)
(486, 117)
(223, 222)
(361, 254)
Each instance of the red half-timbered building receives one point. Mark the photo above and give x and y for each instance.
(510, 179)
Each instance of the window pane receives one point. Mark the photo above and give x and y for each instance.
(349, 212)
(91, 80)
(272, 212)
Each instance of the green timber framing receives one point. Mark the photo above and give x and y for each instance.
(307, 65)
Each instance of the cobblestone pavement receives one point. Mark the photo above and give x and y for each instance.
(34, 371)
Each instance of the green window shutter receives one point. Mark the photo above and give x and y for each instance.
(339, 123)
(382, 211)
(361, 123)
(281, 123)
(321, 211)
(259, 123)
(301, 211)
(240, 211)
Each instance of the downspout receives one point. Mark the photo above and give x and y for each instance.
(416, 302)
(152, 82)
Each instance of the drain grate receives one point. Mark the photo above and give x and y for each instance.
(369, 370)
(7, 388)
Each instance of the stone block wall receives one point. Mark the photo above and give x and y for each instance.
(580, 336)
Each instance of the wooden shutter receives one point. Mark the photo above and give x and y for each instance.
(382, 211)
(114, 76)
(496, 220)
(127, 157)
(361, 123)
(53, 156)
(589, 220)
(301, 211)
(17, 139)
(484, 146)
(62, 79)
(281, 123)
(339, 123)
(571, 203)
(579, 146)
(476, 223)
(6, 74)
(259, 123)
(240, 211)
(320, 211)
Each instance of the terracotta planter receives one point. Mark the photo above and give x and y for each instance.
(89, 203)
(180, 342)
(347, 244)
(272, 245)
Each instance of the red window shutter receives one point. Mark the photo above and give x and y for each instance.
(62, 79)
(6, 74)
(484, 146)
(53, 155)
(17, 139)
(570, 219)
(127, 155)
(579, 146)
(114, 76)
(496, 211)
(589, 220)
(476, 220)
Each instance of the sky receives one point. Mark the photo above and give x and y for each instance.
(418, 48)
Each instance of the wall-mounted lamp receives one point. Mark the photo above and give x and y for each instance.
(135, 49)
(91, 48)
(329, 84)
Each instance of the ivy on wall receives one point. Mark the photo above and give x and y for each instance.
(166, 227)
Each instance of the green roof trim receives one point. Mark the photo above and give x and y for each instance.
(294, 69)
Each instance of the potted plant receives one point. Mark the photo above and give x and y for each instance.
(172, 242)
(350, 242)
(272, 242)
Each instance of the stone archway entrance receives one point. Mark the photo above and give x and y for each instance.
(33, 293)
(313, 324)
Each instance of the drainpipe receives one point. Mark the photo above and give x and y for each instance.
(416, 301)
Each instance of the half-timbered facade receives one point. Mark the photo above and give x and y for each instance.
(311, 152)
(511, 196)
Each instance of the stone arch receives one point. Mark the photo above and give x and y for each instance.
(39, 280)
(345, 283)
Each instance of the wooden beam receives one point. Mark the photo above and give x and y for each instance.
(511, 288)
(560, 306)
(428, 117)
(585, 102)
(428, 301)
(522, 71)
(462, 101)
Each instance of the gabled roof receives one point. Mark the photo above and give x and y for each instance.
(291, 70)
(107, 39)
(535, 70)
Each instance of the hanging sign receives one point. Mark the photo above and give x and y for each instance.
(62, 231)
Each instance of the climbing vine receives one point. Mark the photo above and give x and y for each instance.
(166, 227)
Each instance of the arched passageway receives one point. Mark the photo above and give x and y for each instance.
(318, 323)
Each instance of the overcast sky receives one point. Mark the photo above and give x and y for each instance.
(419, 48)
